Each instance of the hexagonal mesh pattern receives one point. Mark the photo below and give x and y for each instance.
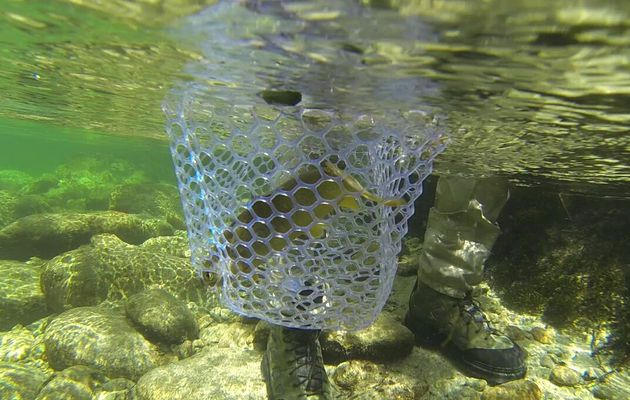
(300, 212)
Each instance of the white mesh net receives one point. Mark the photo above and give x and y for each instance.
(296, 211)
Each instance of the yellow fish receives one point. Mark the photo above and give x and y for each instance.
(282, 221)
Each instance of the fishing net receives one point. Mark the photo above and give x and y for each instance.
(296, 210)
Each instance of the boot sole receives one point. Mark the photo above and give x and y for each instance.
(428, 338)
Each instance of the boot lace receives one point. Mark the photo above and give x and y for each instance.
(470, 310)
(307, 367)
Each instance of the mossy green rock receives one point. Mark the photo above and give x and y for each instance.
(110, 269)
(14, 180)
(47, 235)
(102, 339)
(21, 299)
(20, 382)
(73, 383)
(161, 317)
(385, 340)
(156, 200)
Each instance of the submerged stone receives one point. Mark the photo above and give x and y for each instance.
(20, 382)
(21, 298)
(161, 317)
(218, 373)
(516, 390)
(110, 269)
(386, 339)
(47, 235)
(564, 376)
(99, 338)
(74, 383)
(16, 344)
(153, 199)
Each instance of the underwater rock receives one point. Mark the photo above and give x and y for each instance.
(349, 374)
(216, 373)
(20, 382)
(29, 205)
(360, 379)
(7, 208)
(564, 376)
(16, 344)
(153, 199)
(161, 317)
(42, 184)
(21, 299)
(542, 335)
(229, 335)
(110, 269)
(13, 180)
(516, 390)
(116, 389)
(75, 279)
(101, 339)
(47, 235)
(385, 340)
(176, 245)
(74, 383)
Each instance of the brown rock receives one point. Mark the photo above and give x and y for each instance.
(515, 390)
(564, 376)
(386, 339)
(542, 335)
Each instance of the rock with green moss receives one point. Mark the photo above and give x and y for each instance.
(102, 339)
(86, 183)
(74, 383)
(385, 340)
(47, 235)
(153, 199)
(14, 180)
(161, 317)
(21, 298)
(110, 269)
(20, 382)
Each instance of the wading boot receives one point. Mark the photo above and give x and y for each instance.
(293, 367)
(463, 333)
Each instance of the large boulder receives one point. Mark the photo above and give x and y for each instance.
(47, 235)
(21, 299)
(102, 339)
(110, 269)
(161, 317)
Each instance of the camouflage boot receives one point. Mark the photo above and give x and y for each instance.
(293, 367)
(462, 331)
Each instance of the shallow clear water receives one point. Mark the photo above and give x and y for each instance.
(540, 91)
(534, 91)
